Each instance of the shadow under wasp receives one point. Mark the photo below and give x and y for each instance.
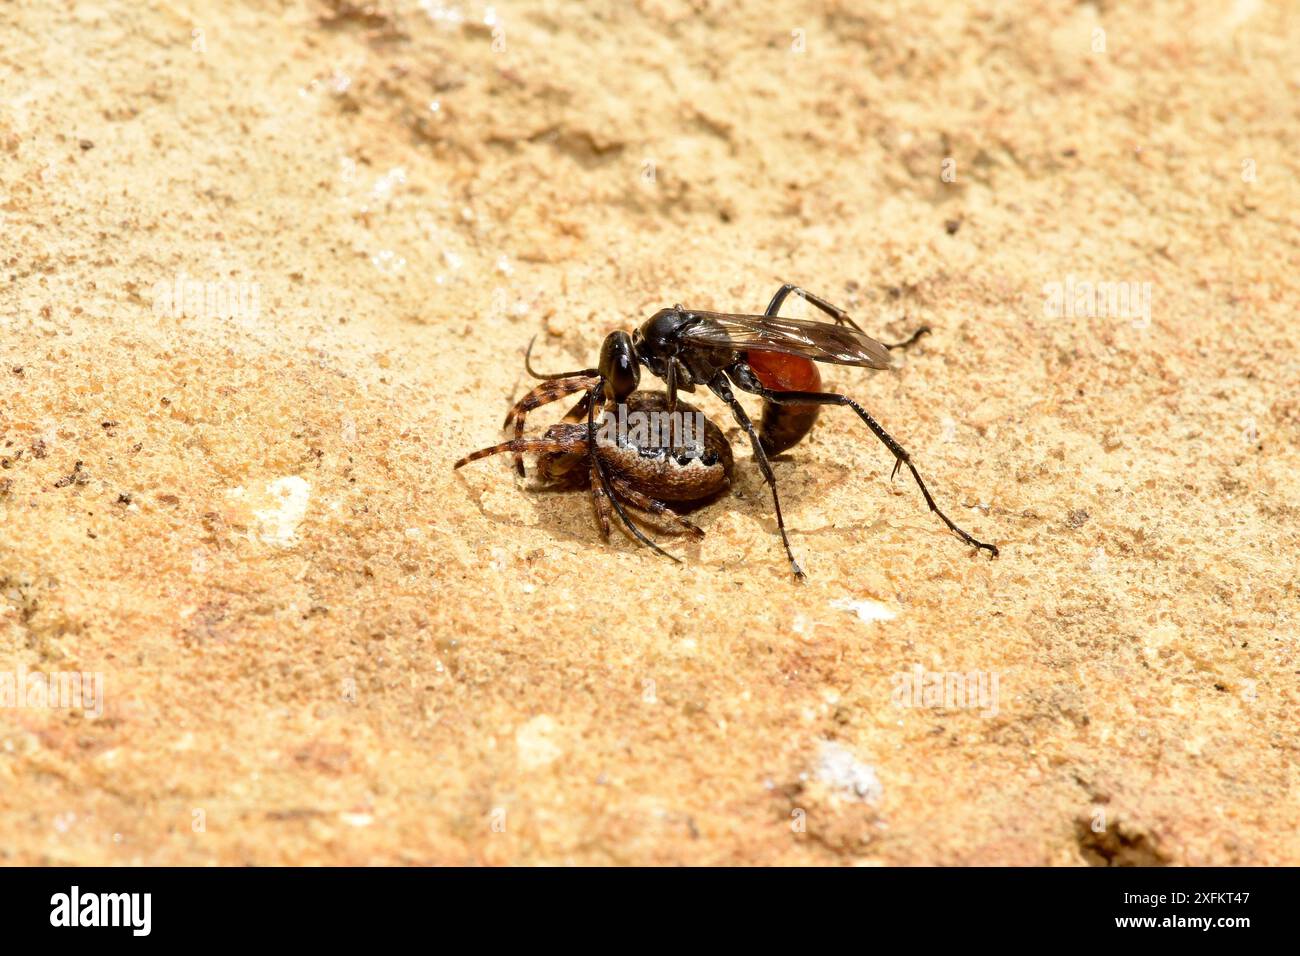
(766, 355)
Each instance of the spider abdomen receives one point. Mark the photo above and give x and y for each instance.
(646, 459)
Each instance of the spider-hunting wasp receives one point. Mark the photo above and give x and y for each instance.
(767, 355)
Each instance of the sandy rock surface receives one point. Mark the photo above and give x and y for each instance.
(268, 272)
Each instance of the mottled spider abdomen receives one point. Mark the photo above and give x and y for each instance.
(651, 467)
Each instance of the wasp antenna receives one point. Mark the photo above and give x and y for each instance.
(528, 366)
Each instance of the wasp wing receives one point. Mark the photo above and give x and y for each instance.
(819, 341)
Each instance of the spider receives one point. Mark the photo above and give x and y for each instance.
(643, 472)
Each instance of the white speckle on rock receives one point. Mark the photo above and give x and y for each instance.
(277, 525)
(388, 261)
(1242, 11)
(385, 184)
(840, 770)
(866, 609)
(536, 744)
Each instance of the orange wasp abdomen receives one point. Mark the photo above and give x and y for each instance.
(783, 426)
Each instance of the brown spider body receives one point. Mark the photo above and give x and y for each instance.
(643, 475)
(651, 469)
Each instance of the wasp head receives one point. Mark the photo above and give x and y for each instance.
(618, 366)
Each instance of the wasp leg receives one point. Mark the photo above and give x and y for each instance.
(839, 315)
(720, 388)
(746, 380)
(599, 476)
(656, 507)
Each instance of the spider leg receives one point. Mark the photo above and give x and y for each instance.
(521, 446)
(599, 499)
(578, 412)
(549, 391)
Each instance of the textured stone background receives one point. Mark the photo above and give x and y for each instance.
(321, 645)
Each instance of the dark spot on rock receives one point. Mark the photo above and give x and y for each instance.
(1077, 518)
(1117, 845)
(952, 225)
(75, 477)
